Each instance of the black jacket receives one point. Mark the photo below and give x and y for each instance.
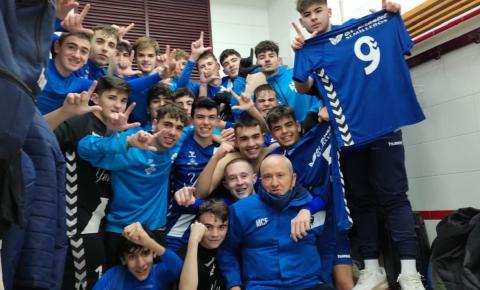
(456, 250)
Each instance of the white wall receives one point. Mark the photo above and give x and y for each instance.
(443, 156)
(238, 24)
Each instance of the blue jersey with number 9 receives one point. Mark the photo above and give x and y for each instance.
(361, 74)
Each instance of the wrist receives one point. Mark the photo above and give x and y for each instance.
(65, 114)
(129, 141)
(193, 57)
(309, 207)
(149, 243)
(217, 156)
(193, 241)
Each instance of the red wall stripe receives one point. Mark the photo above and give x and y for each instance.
(434, 214)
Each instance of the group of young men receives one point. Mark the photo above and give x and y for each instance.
(240, 176)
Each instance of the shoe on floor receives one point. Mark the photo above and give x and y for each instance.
(411, 281)
(372, 280)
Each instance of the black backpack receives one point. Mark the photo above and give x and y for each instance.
(456, 251)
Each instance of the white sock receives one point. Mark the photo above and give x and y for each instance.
(408, 266)
(371, 264)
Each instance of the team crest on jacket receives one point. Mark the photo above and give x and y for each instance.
(261, 222)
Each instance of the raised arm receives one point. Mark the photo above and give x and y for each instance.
(122, 31)
(297, 43)
(212, 174)
(189, 276)
(124, 68)
(304, 87)
(143, 83)
(136, 234)
(73, 22)
(74, 105)
(197, 48)
(246, 104)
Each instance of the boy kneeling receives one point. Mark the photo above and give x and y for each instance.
(137, 253)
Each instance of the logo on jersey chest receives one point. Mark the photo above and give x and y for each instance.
(151, 168)
(335, 40)
(102, 175)
(261, 222)
(324, 147)
(192, 158)
(382, 19)
(291, 86)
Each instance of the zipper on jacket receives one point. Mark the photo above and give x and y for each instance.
(12, 78)
(282, 94)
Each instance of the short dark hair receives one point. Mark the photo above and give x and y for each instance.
(304, 4)
(122, 46)
(247, 121)
(107, 83)
(80, 35)
(216, 207)
(127, 246)
(108, 30)
(160, 90)
(228, 52)
(204, 103)
(206, 54)
(263, 88)
(182, 93)
(174, 111)
(278, 113)
(266, 45)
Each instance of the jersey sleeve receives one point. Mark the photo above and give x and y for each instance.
(83, 84)
(140, 84)
(406, 42)
(315, 205)
(342, 249)
(302, 66)
(105, 152)
(184, 79)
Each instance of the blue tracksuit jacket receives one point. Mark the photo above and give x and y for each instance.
(282, 82)
(139, 179)
(258, 244)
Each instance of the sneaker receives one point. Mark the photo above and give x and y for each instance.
(372, 280)
(411, 281)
